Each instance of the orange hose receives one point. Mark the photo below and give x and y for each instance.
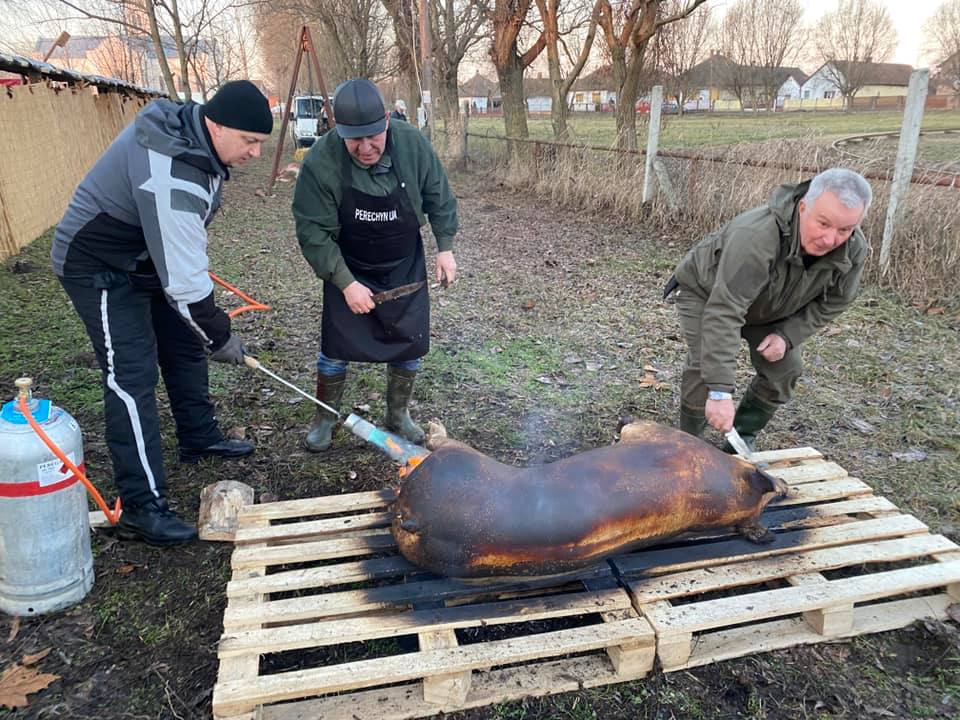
(112, 515)
(252, 304)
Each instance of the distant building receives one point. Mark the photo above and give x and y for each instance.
(129, 58)
(874, 79)
(537, 94)
(480, 94)
(596, 92)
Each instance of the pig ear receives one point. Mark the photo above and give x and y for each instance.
(765, 483)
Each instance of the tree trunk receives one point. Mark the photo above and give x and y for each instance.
(456, 151)
(181, 52)
(510, 75)
(151, 12)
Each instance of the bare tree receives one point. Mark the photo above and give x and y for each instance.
(456, 27)
(355, 37)
(405, 29)
(509, 17)
(559, 20)
(628, 26)
(276, 33)
(856, 34)
(759, 37)
(942, 31)
(680, 46)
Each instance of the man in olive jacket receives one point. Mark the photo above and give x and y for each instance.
(362, 196)
(773, 276)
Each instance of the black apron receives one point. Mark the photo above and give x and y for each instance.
(381, 245)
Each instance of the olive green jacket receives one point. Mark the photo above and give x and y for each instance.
(317, 197)
(751, 272)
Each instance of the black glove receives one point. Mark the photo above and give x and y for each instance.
(232, 351)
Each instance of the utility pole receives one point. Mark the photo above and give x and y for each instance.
(426, 66)
(61, 41)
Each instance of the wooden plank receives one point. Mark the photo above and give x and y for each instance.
(390, 597)
(787, 455)
(376, 541)
(658, 562)
(242, 668)
(785, 516)
(763, 637)
(322, 577)
(447, 688)
(497, 686)
(847, 487)
(326, 505)
(358, 629)
(753, 572)
(238, 697)
(765, 604)
(312, 528)
(803, 474)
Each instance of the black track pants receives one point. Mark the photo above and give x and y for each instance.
(134, 330)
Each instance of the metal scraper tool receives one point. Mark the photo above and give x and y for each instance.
(253, 363)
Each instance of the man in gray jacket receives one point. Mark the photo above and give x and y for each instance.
(131, 252)
(774, 276)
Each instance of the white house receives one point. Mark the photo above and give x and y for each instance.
(594, 92)
(874, 79)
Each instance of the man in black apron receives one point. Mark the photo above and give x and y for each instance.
(361, 198)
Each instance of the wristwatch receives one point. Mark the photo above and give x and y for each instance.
(719, 395)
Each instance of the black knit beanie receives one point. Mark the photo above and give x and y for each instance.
(240, 105)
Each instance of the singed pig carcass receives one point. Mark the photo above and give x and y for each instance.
(464, 515)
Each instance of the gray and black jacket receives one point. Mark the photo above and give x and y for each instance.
(143, 210)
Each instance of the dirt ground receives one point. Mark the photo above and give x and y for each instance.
(538, 352)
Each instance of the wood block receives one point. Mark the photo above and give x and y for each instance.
(831, 621)
(635, 658)
(674, 650)
(220, 505)
(449, 688)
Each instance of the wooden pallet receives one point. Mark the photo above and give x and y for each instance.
(723, 597)
(694, 601)
(342, 541)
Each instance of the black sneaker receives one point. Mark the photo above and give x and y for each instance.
(226, 448)
(154, 523)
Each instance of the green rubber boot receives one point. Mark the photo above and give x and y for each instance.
(752, 416)
(330, 391)
(399, 392)
(692, 421)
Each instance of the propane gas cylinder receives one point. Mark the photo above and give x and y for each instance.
(45, 558)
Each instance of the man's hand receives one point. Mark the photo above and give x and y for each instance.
(773, 347)
(446, 268)
(720, 414)
(359, 298)
(232, 352)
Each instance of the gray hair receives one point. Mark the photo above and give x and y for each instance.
(850, 188)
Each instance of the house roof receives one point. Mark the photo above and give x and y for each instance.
(479, 86)
(599, 79)
(79, 46)
(536, 87)
(875, 73)
(716, 69)
(710, 72)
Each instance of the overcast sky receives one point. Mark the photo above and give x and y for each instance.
(908, 18)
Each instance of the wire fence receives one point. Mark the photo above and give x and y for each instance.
(699, 191)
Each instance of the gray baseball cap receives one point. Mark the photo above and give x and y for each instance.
(358, 109)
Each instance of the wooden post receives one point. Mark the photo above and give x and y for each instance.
(653, 137)
(906, 156)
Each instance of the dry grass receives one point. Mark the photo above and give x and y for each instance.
(926, 243)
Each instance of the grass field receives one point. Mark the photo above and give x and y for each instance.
(718, 129)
